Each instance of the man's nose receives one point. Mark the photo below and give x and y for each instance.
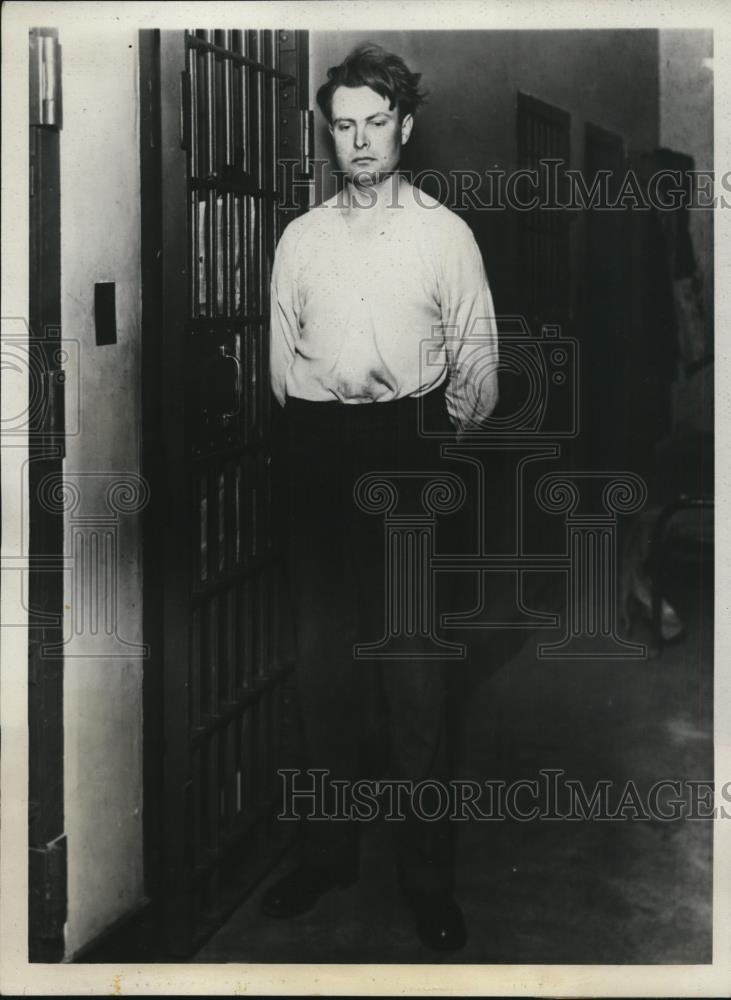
(361, 139)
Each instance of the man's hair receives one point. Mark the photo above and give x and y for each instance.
(368, 65)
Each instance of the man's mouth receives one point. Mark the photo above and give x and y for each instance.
(364, 159)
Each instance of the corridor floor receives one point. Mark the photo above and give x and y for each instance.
(547, 891)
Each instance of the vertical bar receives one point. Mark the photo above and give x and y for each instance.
(251, 85)
(204, 825)
(213, 797)
(220, 258)
(236, 111)
(273, 112)
(236, 257)
(229, 525)
(221, 781)
(204, 166)
(204, 687)
(218, 103)
(210, 663)
(246, 308)
(239, 762)
(241, 419)
(241, 256)
(194, 283)
(244, 632)
(211, 246)
(192, 62)
(255, 108)
(254, 382)
(263, 747)
(253, 772)
(213, 653)
(243, 92)
(245, 760)
(254, 297)
(193, 169)
(202, 250)
(228, 255)
(196, 832)
(231, 771)
(203, 523)
(221, 520)
(237, 681)
(231, 629)
(250, 615)
(222, 647)
(254, 513)
(227, 109)
(211, 252)
(209, 62)
(203, 124)
(265, 621)
(262, 255)
(267, 110)
(228, 161)
(195, 669)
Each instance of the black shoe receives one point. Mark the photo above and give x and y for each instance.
(439, 921)
(299, 891)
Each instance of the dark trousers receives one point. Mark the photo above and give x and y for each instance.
(362, 719)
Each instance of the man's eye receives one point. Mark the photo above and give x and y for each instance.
(343, 126)
(379, 123)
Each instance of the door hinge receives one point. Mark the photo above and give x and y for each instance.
(45, 77)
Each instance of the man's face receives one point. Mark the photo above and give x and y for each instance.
(368, 135)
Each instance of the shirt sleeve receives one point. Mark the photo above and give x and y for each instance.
(284, 312)
(470, 332)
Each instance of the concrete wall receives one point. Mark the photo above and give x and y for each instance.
(100, 197)
(609, 78)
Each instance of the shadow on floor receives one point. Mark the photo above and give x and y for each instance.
(548, 891)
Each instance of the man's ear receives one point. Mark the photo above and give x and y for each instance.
(406, 126)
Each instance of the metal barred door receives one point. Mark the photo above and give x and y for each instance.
(233, 132)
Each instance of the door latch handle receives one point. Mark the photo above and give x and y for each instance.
(237, 366)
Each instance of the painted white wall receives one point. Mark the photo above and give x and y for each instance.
(100, 241)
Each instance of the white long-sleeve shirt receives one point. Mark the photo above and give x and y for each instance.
(351, 317)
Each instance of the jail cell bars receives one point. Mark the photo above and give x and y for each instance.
(238, 694)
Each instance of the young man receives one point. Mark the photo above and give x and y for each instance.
(359, 283)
